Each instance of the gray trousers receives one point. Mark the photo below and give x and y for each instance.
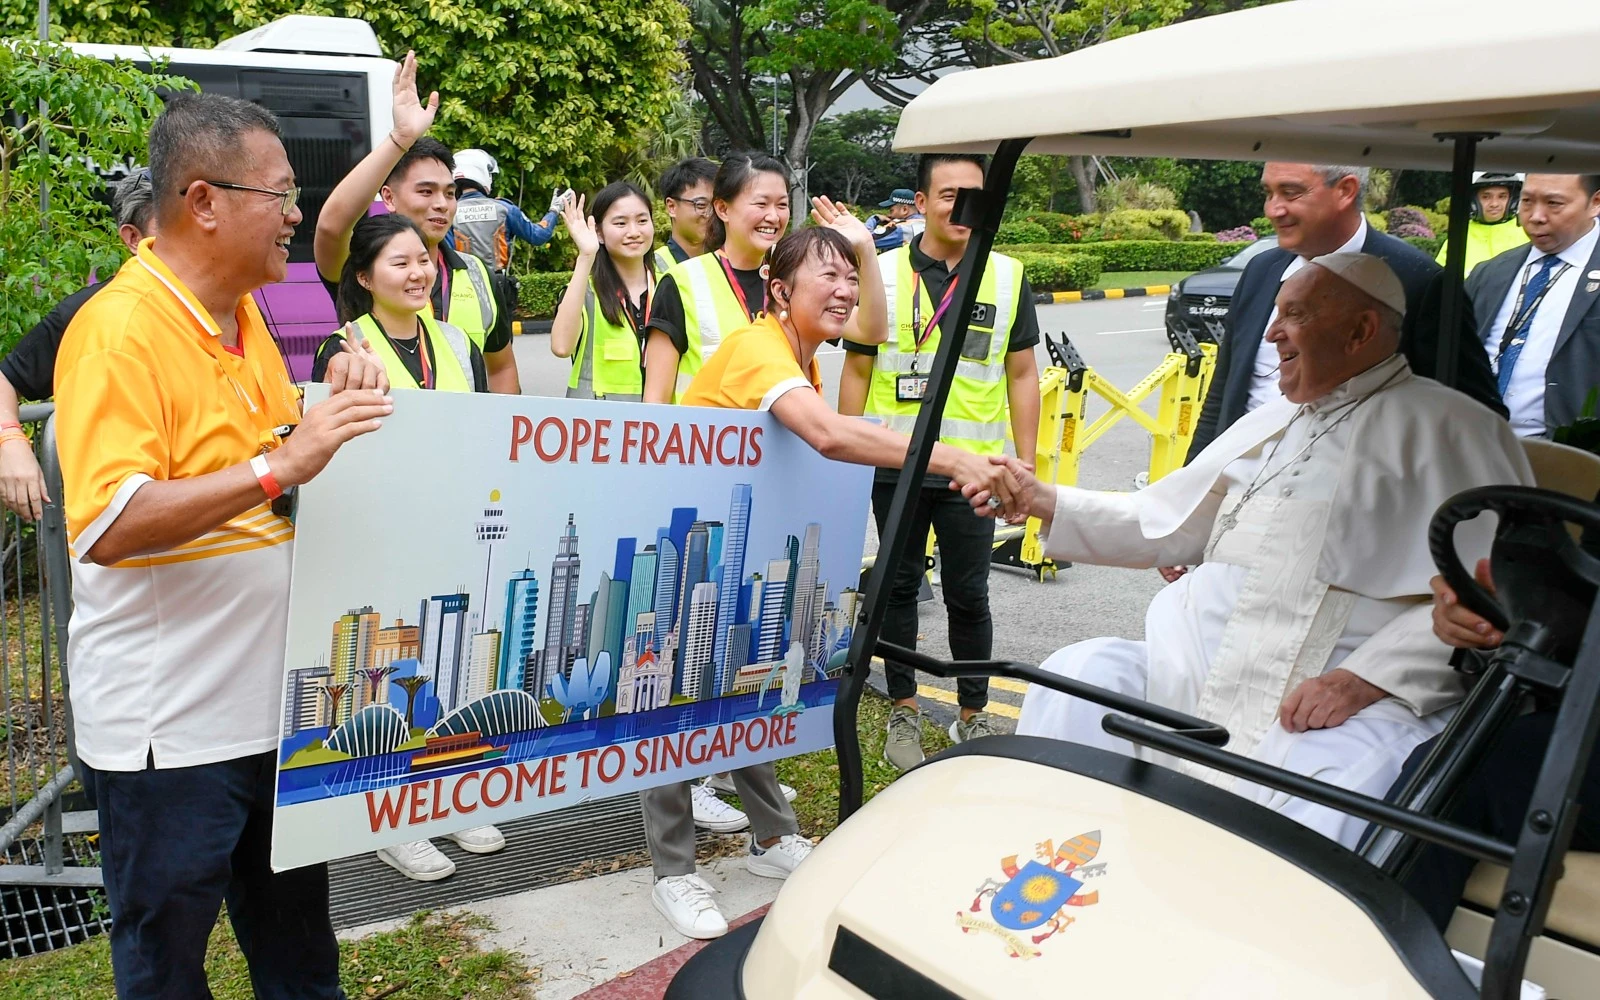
(669, 817)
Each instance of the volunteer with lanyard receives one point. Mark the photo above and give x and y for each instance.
(601, 320)
(996, 388)
(383, 302)
(704, 298)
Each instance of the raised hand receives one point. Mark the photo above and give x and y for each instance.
(411, 117)
(825, 213)
(580, 227)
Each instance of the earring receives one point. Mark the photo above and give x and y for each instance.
(783, 314)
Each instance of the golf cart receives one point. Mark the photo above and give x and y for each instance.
(1022, 867)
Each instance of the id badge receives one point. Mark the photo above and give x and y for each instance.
(910, 388)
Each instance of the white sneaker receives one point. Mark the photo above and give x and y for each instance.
(418, 860)
(781, 859)
(685, 900)
(722, 784)
(479, 840)
(711, 813)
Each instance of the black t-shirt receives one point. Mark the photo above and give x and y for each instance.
(411, 359)
(666, 310)
(31, 365)
(497, 338)
(936, 278)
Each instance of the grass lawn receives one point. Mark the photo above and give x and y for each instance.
(1137, 279)
(815, 776)
(431, 958)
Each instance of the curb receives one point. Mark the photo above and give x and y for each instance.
(1095, 294)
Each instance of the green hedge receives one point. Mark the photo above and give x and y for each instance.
(1145, 224)
(1141, 255)
(539, 292)
(1427, 244)
(1012, 233)
(1199, 237)
(1054, 271)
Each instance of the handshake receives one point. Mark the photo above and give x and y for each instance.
(1004, 487)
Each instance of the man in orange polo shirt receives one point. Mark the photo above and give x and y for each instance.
(172, 409)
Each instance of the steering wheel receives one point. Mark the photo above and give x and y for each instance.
(1541, 574)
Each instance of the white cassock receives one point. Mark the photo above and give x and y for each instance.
(1327, 566)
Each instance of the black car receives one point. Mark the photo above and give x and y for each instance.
(1199, 303)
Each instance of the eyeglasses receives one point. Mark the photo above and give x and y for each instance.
(289, 197)
(701, 206)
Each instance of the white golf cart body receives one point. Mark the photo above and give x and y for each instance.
(1176, 889)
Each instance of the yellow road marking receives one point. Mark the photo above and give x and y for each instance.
(949, 698)
(1007, 684)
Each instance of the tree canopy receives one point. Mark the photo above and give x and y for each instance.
(95, 113)
(558, 92)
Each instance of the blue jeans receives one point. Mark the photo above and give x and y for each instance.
(174, 844)
(966, 543)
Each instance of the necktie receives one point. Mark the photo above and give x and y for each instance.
(1532, 294)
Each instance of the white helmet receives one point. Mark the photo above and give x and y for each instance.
(477, 166)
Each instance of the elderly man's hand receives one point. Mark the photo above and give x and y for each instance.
(356, 366)
(1327, 701)
(324, 430)
(1454, 624)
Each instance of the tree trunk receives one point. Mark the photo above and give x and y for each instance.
(797, 151)
(1088, 204)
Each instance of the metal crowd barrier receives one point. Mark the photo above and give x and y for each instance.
(48, 866)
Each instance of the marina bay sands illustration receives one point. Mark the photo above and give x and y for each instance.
(686, 628)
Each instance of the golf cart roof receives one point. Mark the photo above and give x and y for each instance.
(1322, 81)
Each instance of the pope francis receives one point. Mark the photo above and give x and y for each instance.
(1304, 628)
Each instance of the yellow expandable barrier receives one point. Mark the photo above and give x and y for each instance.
(1065, 432)
(1181, 380)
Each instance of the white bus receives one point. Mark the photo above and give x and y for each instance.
(331, 87)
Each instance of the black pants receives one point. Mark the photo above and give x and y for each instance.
(965, 544)
(174, 844)
(1495, 801)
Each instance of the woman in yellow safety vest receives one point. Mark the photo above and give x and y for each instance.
(704, 298)
(601, 320)
(383, 302)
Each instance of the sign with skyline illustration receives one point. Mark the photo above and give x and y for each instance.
(506, 605)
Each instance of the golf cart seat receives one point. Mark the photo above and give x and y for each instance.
(1575, 911)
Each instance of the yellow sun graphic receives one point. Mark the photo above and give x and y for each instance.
(1039, 888)
(494, 496)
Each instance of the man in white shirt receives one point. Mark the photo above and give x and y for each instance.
(1305, 628)
(1537, 305)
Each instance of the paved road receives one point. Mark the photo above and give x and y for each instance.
(1123, 340)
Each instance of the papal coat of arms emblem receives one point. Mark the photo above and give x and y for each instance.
(1034, 901)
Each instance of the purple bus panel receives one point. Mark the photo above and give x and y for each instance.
(300, 315)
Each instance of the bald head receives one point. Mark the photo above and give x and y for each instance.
(1327, 332)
